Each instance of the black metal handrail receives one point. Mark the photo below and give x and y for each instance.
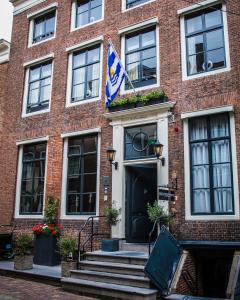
(89, 238)
(150, 237)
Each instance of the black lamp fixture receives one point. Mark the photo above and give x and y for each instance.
(111, 157)
(158, 149)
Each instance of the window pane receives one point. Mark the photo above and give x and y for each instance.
(27, 186)
(196, 63)
(73, 203)
(149, 53)
(214, 39)
(83, 6)
(93, 72)
(149, 69)
(92, 89)
(74, 146)
(195, 44)
(90, 144)
(213, 18)
(194, 24)
(131, 3)
(133, 57)
(34, 74)
(27, 170)
(222, 175)
(82, 19)
(223, 200)
(133, 71)
(38, 30)
(89, 184)
(216, 59)
(199, 153)
(50, 24)
(201, 201)
(78, 92)
(74, 184)
(90, 163)
(148, 38)
(79, 59)
(33, 96)
(200, 177)
(79, 75)
(93, 55)
(89, 203)
(46, 70)
(45, 93)
(198, 129)
(219, 126)
(74, 164)
(132, 43)
(95, 3)
(96, 14)
(220, 151)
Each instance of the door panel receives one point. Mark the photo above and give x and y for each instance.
(141, 188)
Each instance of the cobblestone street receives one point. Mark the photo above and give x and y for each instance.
(18, 289)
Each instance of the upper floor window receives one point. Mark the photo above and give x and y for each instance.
(205, 43)
(39, 87)
(82, 175)
(86, 74)
(139, 141)
(88, 11)
(211, 165)
(132, 3)
(141, 58)
(32, 180)
(44, 27)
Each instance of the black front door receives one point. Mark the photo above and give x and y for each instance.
(141, 188)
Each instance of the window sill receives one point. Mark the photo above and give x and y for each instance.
(41, 42)
(82, 102)
(39, 217)
(25, 115)
(124, 9)
(77, 217)
(144, 88)
(86, 25)
(212, 218)
(201, 75)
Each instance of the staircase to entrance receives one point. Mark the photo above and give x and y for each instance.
(118, 275)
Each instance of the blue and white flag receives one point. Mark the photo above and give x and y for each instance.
(115, 75)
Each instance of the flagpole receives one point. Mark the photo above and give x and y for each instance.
(120, 62)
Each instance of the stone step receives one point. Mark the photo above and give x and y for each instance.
(101, 289)
(111, 267)
(125, 257)
(122, 279)
(123, 246)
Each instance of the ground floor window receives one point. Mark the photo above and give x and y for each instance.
(82, 175)
(33, 177)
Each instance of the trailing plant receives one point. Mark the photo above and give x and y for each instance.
(24, 244)
(67, 247)
(112, 215)
(139, 98)
(51, 210)
(156, 213)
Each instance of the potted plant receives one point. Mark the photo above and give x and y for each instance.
(111, 219)
(67, 246)
(23, 259)
(46, 236)
(157, 214)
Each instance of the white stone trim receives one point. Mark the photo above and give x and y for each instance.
(19, 8)
(139, 26)
(38, 60)
(210, 111)
(69, 74)
(25, 95)
(198, 6)
(185, 76)
(188, 215)
(64, 216)
(73, 17)
(43, 10)
(17, 215)
(32, 141)
(125, 9)
(81, 132)
(32, 20)
(4, 51)
(84, 44)
(123, 40)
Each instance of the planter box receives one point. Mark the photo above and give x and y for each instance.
(45, 250)
(110, 245)
(66, 267)
(23, 262)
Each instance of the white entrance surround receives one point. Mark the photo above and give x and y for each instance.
(157, 113)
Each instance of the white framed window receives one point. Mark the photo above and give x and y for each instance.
(204, 41)
(38, 86)
(81, 171)
(130, 4)
(87, 12)
(85, 73)
(31, 178)
(140, 56)
(43, 23)
(211, 184)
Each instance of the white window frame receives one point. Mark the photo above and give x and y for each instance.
(185, 116)
(135, 28)
(20, 145)
(65, 137)
(32, 17)
(200, 7)
(71, 50)
(27, 66)
(124, 5)
(74, 16)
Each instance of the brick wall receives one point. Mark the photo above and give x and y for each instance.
(209, 91)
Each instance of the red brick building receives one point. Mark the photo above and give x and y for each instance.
(57, 129)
